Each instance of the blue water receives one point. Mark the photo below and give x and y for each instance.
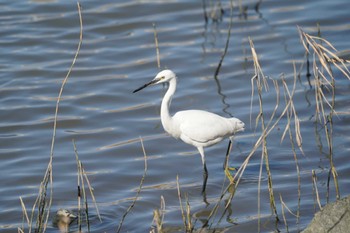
(38, 41)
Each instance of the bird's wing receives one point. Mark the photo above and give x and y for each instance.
(202, 126)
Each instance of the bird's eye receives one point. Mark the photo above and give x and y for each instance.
(163, 77)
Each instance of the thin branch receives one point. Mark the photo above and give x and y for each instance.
(138, 191)
(48, 174)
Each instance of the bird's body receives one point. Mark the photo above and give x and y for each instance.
(62, 219)
(201, 128)
(195, 127)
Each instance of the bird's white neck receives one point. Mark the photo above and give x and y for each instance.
(164, 111)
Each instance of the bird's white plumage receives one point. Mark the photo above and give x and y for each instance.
(195, 127)
(201, 128)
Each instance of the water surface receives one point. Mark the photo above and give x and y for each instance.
(99, 111)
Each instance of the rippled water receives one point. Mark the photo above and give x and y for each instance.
(98, 110)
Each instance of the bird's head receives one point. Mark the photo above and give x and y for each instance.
(162, 77)
(63, 216)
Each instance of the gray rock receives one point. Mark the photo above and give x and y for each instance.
(333, 218)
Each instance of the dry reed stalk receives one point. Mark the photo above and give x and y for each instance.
(180, 201)
(258, 142)
(292, 113)
(268, 129)
(81, 174)
(260, 81)
(78, 187)
(314, 182)
(24, 210)
(86, 203)
(186, 217)
(288, 97)
(138, 190)
(259, 192)
(156, 44)
(158, 217)
(190, 226)
(260, 78)
(284, 206)
(92, 194)
(283, 215)
(326, 55)
(81, 189)
(235, 180)
(289, 110)
(264, 156)
(41, 202)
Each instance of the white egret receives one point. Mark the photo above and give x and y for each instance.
(195, 127)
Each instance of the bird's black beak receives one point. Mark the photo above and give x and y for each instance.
(146, 85)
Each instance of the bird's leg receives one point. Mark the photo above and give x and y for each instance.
(205, 170)
(205, 178)
(227, 154)
(229, 148)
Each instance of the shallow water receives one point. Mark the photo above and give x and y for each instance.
(99, 111)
